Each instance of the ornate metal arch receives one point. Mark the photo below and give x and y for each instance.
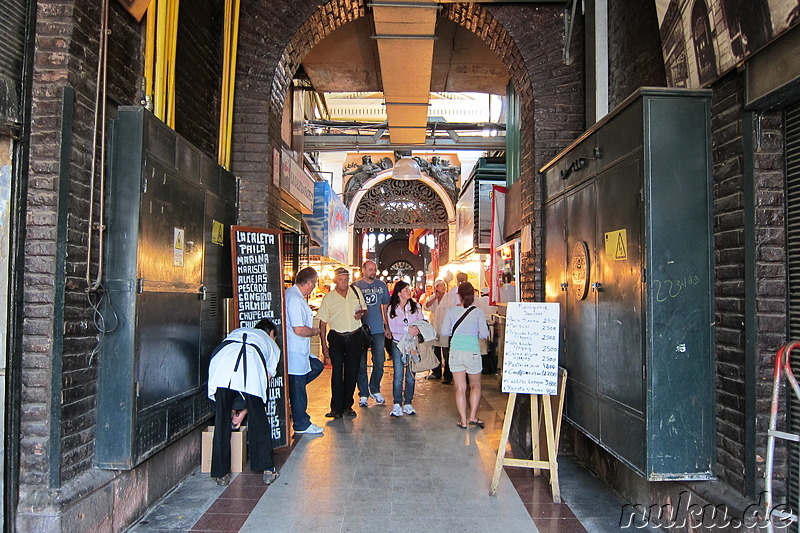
(401, 204)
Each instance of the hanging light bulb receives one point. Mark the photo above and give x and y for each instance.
(406, 169)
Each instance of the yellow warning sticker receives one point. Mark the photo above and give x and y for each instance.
(617, 245)
(217, 232)
(178, 246)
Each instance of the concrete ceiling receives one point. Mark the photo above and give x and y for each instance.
(347, 61)
(405, 53)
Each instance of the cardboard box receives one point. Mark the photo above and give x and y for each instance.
(238, 449)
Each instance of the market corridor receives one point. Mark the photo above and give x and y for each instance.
(376, 473)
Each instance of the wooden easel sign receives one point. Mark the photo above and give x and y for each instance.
(530, 366)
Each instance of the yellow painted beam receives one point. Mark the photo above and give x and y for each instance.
(160, 89)
(149, 51)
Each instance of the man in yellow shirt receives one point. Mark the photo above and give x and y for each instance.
(342, 309)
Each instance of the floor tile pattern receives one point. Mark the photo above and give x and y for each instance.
(378, 473)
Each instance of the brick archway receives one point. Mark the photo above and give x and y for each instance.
(528, 39)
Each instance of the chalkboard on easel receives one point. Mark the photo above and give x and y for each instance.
(530, 360)
(258, 293)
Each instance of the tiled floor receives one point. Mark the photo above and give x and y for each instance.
(376, 473)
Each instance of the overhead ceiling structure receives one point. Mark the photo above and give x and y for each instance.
(405, 34)
(403, 54)
(347, 61)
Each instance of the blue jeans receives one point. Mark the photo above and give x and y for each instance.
(373, 386)
(298, 398)
(401, 373)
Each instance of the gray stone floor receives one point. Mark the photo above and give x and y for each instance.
(376, 473)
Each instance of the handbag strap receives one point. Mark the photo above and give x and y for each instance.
(355, 291)
(458, 322)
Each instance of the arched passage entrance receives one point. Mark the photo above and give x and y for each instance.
(550, 92)
(386, 210)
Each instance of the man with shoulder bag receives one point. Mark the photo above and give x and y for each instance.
(342, 346)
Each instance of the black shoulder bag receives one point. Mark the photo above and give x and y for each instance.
(458, 323)
(364, 333)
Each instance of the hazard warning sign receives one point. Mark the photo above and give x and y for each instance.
(178, 246)
(617, 245)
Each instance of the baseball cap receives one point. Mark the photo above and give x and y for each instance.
(342, 270)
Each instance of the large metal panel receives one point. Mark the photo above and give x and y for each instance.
(620, 277)
(581, 316)
(555, 256)
(680, 300)
(622, 431)
(639, 347)
(171, 234)
(220, 213)
(170, 209)
(167, 339)
(620, 135)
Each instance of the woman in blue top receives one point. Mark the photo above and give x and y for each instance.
(403, 312)
(465, 352)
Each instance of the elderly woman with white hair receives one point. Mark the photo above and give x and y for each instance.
(437, 304)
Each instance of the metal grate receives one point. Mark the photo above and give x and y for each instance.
(792, 125)
(12, 50)
(12, 39)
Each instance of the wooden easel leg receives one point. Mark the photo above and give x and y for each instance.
(535, 444)
(501, 451)
(552, 452)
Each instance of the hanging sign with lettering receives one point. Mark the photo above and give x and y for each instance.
(258, 293)
(530, 360)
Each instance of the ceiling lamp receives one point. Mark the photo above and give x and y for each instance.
(406, 169)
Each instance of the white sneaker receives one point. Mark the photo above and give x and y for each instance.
(396, 410)
(407, 409)
(312, 429)
(363, 402)
(378, 397)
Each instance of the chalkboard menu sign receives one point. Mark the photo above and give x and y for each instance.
(530, 361)
(258, 293)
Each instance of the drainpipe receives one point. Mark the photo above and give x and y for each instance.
(17, 233)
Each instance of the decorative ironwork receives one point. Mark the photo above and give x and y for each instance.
(401, 204)
(402, 268)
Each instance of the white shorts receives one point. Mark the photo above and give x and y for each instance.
(469, 361)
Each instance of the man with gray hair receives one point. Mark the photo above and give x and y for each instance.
(303, 367)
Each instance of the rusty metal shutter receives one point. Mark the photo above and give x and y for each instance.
(792, 125)
(12, 48)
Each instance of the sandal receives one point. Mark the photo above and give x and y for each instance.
(270, 476)
(459, 424)
(478, 423)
